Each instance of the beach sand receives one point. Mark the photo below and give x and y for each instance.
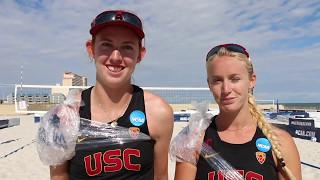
(24, 163)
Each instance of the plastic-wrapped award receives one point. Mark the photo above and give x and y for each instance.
(188, 145)
(61, 129)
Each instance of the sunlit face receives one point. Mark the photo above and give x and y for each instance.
(229, 82)
(116, 52)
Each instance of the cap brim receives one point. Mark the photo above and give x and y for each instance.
(97, 28)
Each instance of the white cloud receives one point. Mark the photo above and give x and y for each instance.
(48, 38)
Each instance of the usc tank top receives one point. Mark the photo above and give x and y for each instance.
(252, 159)
(121, 161)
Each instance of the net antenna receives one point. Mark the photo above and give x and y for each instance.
(21, 79)
(21, 102)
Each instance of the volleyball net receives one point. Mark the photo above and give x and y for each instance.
(40, 98)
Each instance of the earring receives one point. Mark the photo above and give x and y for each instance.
(91, 58)
(250, 90)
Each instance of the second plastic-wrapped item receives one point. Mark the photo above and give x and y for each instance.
(188, 145)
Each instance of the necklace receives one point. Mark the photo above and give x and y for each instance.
(108, 113)
(114, 122)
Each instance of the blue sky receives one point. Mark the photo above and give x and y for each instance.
(47, 38)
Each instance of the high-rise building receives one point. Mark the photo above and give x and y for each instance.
(72, 79)
(69, 79)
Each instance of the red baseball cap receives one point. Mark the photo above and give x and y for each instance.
(117, 18)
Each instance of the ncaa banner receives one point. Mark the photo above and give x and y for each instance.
(304, 129)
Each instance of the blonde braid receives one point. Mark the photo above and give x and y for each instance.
(255, 111)
(267, 131)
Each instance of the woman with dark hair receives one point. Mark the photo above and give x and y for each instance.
(116, 48)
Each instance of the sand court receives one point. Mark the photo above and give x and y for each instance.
(19, 158)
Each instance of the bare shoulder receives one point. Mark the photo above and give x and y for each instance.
(285, 140)
(160, 124)
(159, 115)
(156, 104)
(283, 136)
(289, 152)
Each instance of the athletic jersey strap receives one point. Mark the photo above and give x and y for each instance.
(253, 159)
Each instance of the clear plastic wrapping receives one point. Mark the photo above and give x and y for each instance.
(58, 131)
(94, 133)
(61, 128)
(219, 164)
(188, 145)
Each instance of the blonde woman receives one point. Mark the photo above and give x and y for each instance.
(240, 133)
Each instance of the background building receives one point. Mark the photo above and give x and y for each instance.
(72, 79)
(69, 79)
(41, 95)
